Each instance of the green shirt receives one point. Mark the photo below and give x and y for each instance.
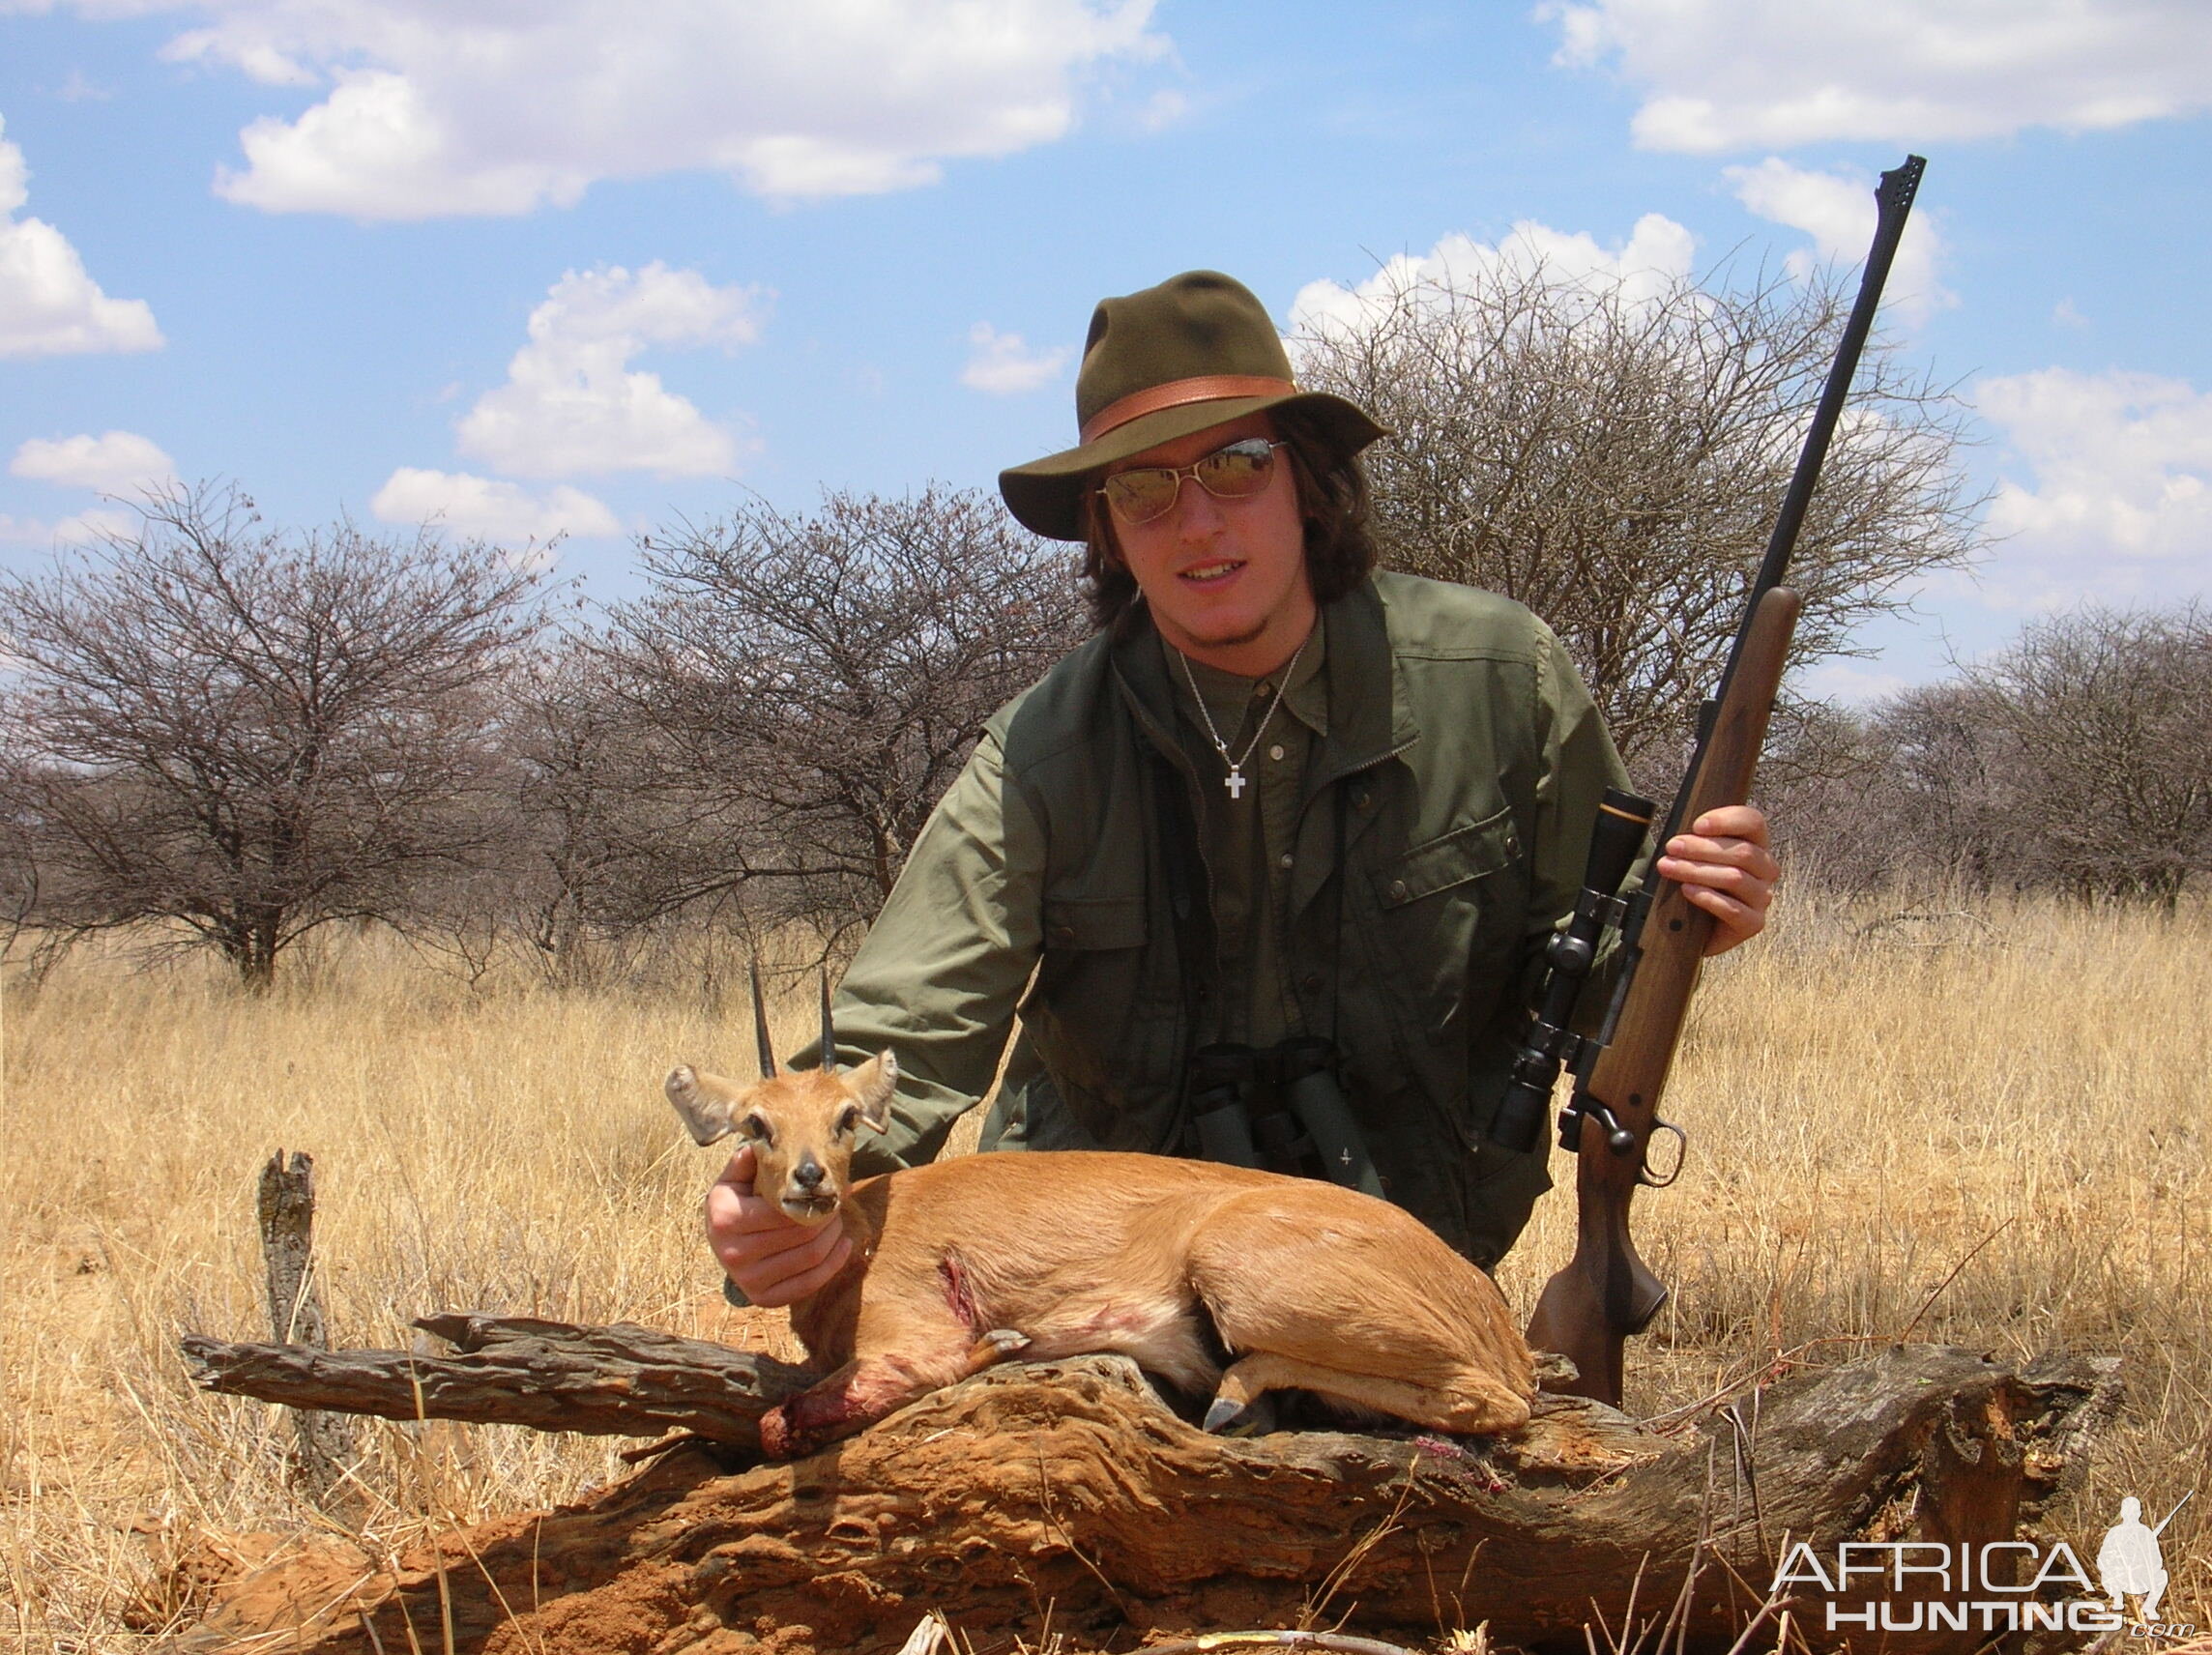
(1249, 835)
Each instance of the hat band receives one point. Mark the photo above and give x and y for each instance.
(1206, 388)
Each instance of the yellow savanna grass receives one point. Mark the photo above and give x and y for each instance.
(1873, 1099)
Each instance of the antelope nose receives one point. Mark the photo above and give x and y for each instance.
(808, 1174)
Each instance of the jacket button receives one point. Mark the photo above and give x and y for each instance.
(1310, 983)
(1397, 890)
(1063, 935)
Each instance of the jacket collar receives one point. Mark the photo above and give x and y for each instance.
(1370, 714)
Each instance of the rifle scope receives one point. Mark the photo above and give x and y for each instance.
(1622, 821)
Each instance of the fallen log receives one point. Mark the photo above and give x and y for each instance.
(1068, 1498)
(621, 1381)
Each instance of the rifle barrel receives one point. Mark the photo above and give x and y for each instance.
(1892, 204)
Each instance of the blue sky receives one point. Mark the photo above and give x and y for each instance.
(591, 267)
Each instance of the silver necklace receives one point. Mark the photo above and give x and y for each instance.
(1233, 781)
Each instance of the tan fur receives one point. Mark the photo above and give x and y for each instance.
(965, 1262)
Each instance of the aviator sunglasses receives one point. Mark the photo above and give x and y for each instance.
(1236, 472)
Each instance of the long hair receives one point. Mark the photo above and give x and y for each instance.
(1332, 500)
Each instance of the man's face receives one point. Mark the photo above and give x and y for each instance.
(1226, 579)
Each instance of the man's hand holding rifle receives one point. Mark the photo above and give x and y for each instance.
(1724, 866)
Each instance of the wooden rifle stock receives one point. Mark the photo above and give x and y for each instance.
(1605, 1292)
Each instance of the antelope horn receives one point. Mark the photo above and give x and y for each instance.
(760, 1029)
(828, 1032)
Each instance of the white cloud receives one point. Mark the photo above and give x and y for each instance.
(1657, 256)
(1003, 365)
(76, 89)
(110, 462)
(1731, 74)
(24, 531)
(373, 151)
(1162, 110)
(571, 405)
(1848, 682)
(48, 305)
(472, 106)
(2120, 507)
(1837, 209)
(477, 507)
(98, 523)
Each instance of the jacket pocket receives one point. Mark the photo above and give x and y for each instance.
(1464, 855)
(1451, 912)
(1086, 923)
(1101, 1016)
(1089, 979)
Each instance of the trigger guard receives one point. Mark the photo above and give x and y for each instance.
(1645, 1175)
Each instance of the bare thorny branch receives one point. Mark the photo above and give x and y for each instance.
(1613, 452)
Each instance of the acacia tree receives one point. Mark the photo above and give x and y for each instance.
(2078, 759)
(18, 864)
(249, 731)
(1912, 792)
(2104, 717)
(1613, 452)
(577, 779)
(819, 679)
(608, 826)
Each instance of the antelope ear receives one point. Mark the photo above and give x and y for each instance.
(871, 1086)
(707, 1103)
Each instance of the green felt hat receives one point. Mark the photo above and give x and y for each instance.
(1196, 351)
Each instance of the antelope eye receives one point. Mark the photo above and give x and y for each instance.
(757, 1126)
(848, 1121)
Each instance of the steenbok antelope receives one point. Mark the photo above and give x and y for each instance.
(1215, 1278)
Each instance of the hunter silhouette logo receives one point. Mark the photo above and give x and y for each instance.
(2130, 1563)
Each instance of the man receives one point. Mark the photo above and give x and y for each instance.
(1277, 796)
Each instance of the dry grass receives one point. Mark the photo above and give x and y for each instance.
(1983, 1129)
(1868, 1110)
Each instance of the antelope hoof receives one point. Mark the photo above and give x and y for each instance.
(1000, 1345)
(1555, 1373)
(1228, 1417)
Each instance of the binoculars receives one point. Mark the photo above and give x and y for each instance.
(1280, 1110)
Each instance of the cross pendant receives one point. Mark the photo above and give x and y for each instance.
(1233, 781)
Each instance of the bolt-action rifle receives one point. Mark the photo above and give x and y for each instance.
(1605, 1292)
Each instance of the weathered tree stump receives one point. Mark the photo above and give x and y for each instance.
(285, 1204)
(1069, 1492)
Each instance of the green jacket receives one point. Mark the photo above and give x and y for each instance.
(1472, 761)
